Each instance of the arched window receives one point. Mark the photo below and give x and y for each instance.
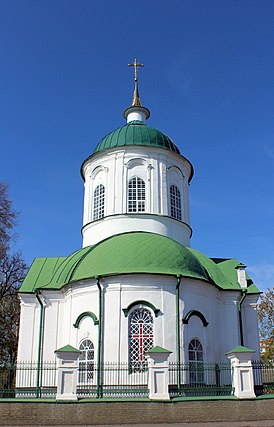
(98, 202)
(140, 337)
(136, 195)
(175, 203)
(196, 366)
(86, 362)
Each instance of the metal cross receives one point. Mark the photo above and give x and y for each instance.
(136, 65)
(141, 336)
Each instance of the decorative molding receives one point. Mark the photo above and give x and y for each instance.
(177, 169)
(195, 313)
(141, 302)
(83, 315)
(138, 161)
(98, 169)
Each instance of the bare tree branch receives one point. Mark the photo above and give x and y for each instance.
(12, 272)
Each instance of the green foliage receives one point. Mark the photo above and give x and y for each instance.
(266, 324)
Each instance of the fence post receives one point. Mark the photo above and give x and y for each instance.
(158, 373)
(67, 372)
(242, 372)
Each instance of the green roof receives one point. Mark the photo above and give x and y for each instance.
(136, 252)
(228, 268)
(40, 272)
(128, 253)
(67, 349)
(158, 349)
(214, 272)
(241, 349)
(136, 133)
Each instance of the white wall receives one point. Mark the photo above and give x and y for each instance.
(63, 308)
(159, 169)
(250, 324)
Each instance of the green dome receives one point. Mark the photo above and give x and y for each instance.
(135, 252)
(136, 133)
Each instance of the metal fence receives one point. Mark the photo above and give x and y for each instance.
(200, 379)
(28, 379)
(31, 380)
(112, 380)
(263, 374)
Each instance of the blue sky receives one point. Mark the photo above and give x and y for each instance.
(208, 82)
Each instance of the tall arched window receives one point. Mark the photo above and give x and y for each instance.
(196, 366)
(98, 202)
(136, 195)
(140, 337)
(86, 362)
(175, 203)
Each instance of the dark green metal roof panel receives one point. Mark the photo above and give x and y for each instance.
(227, 266)
(40, 273)
(139, 252)
(135, 252)
(65, 271)
(136, 133)
(214, 272)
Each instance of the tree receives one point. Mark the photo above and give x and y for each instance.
(7, 220)
(12, 273)
(266, 324)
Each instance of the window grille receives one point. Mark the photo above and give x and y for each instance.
(136, 195)
(175, 203)
(196, 365)
(98, 202)
(140, 338)
(86, 362)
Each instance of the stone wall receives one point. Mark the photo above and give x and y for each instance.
(88, 413)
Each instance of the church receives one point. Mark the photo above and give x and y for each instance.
(136, 283)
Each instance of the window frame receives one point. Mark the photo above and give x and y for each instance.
(136, 195)
(98, 211)
(86, 364)
(196, 361)
(140, 337)
(175, 202)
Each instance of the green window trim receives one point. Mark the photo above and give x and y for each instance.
(146, 303)
(195, 313)
(83, 315)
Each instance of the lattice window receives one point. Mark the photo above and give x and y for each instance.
(136, 195)
(140, 338)
(86, 362)
(196, 366)
(98, 202)
(175, 203)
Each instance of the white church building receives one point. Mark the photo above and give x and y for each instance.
(136, 283)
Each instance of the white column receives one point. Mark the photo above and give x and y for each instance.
(158, 373)
(242, 372)
(67, 358)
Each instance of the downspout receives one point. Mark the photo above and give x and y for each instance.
(99, 356)
(40, 344)
(178, 335)
(239, 305)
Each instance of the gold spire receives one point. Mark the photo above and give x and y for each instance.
(136, 102)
